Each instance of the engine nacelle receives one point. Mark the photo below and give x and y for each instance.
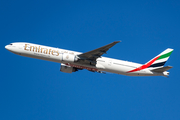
(67, 69)
(69, 58)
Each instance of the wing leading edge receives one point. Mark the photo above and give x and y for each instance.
(94, 54)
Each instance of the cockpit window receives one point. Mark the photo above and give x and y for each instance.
(10, 44)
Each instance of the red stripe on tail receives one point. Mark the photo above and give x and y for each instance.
(144, 66)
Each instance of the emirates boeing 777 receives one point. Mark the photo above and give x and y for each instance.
(72, 61)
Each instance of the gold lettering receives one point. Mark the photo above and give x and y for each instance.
(25, 48)
(42, 49)
(53, 52)
(46, 52)
(39, 49)
(49, 51)
(32, 48)
(57, 53)
(71, 53)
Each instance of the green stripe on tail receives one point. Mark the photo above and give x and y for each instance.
(165, 55)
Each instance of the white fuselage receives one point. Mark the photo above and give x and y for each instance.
(64, 56)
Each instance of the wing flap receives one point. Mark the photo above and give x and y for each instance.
(162, 69)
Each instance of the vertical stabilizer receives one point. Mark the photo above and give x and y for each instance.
(161, 59)
(156, 62)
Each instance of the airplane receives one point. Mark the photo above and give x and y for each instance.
(72, 61)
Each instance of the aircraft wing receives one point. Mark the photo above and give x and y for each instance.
(94, 54)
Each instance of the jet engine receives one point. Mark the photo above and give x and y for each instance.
(67, 69)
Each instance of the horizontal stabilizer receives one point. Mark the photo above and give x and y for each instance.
(162, 69)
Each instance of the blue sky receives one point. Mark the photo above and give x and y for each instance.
(36, 89)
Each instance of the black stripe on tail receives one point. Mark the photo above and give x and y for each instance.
(158, 64)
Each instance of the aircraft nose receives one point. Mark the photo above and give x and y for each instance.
(6, 47)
